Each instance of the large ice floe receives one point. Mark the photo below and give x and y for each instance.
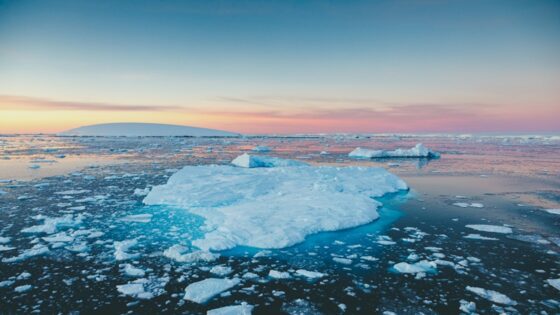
(252, 161)
(274, 207)
(418, 151)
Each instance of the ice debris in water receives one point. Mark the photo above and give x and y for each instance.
(309, 274)
(144, 288)
(36, 250)
(50, 225)
(132, 271)
(274, 274)
(253, 161)
(418, 151)
(203, 291)
(490, 228)
(274, 207)
(243, 309)
(553, 211)
(492, 296)
(121, 249)
(181, 253)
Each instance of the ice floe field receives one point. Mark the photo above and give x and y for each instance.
(297, 225)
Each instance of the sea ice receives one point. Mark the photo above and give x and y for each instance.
(23, 288)
(492, 296)
(221, 271)
(418, 151)
(553, 211)
(253, 161)
(490, 228)
(36, 250)
(132, 271)
(274, 207)
(243, 309)
(203, 291)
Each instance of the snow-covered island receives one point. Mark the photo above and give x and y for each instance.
(274, 207)
(145, 130)
(418, 151)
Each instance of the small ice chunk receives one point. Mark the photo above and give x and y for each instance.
(417, 151)
(243, 309)
(132, 271)
(310, 274)
(492, 296)
(121, 249)
(467, 307)
(203, 291)
(141, 218)
(555, 283)
(141, 192)
(221, 270)
(131, 289)
(253, 161)
(553, 211)
(180, 253)
(344, 261)
(279, 274)
(61, 237)
(261, 148)
(23, 288)
(480, 237)
(490, 228)
(421, 266)
(4, 248)
(4, 240)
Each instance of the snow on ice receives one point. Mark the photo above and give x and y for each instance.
(274, 207)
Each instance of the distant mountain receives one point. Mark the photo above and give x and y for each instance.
(145, 130)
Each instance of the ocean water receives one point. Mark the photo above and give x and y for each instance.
(505, 181)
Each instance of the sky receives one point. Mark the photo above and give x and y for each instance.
(286, 66)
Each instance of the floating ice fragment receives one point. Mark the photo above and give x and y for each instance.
(555, 283)
(243, 309)
(492, 296)
(203, 291)
(23, 288)
(274, 274)
(254, 161)
(480, 237)
(490, 228)
(261, 148)
(344, 261)
(310, 274)
(417, 151)
(141, 192)
(221, 270)
(180, 253)
(421, 266)
(121, 249)
(132, 271)
(50, 225)
(553, 211)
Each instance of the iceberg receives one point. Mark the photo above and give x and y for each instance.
(145, 130)
(418, 151)
(252, 161)
(203, 291)
(274, 207)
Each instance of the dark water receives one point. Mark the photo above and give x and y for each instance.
(514, 180)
